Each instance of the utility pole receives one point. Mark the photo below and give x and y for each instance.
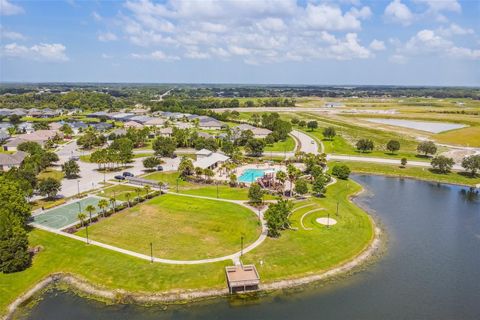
(337, 207)
(78, 188)
(86, 229)
(177, 185)
(217, 189)
(241, 251)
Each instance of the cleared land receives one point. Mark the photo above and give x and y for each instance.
(182, 228)
(302, 252)
(281, 146)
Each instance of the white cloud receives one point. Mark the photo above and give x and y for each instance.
(9, 9)
(96, 16)
(398, 12)
(39, 52)
(256, 31)
(107, 36)
(442, 5)
(429, 42)
(10, 35)
(377, 45)
(106, 56)
(157, 55)
(454, 30)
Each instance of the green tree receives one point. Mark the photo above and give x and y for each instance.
(40, 126)
(276, 217)
(66, 129)
(329, 133)
(14, 255)
(312, 125)
(233, 180)
(186, 167)
(341, 171)
(49, 187)
(102, 205)
(427, 147)
(208, 174)
(393, 146)
(128, 195)
(471, 164)
(403, 162)
(319, 186)
(71, 169)
(164, 146)
(254, 147)
(147, 189)
(293, 173)
(364, 145)
(302, 123)
(255, 193)
(124, 147)
(13, 199)
(90, 208)
(282, 177)
(301, 186)
(82, 217)
(152, 162)
(442, 164)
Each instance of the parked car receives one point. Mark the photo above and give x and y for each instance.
(75, 158)
(119, 177)
(127, 174)
(159, 168)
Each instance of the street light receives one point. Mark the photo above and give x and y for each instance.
(151, 252)
(78, 188)
(217, 189)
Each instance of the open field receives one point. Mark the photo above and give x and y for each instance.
(51, 173)
(120, 192)
(179, 227)
(409, 171)
(303, 252)
(466, 136)
(282, 146)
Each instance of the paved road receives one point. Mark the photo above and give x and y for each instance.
(382, 160)
(307, 143)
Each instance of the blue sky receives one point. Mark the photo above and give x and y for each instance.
(399, 42)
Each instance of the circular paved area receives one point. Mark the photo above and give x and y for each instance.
(326, 221)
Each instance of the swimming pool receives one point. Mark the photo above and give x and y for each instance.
(251, 175)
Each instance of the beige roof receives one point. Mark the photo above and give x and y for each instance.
(133, 124)
(212, 159)
(155, 122)
(39, 135)
(166, 131)
(12, 159)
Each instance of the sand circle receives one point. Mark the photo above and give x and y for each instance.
(326, 221)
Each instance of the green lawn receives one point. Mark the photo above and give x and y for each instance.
(410, 171)
(303, 252)
(120, 191)
(51, 173)
(179, 227)
(282, 146)
(105, 268)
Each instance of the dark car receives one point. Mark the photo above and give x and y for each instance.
(159, 168)
(119, 177)
(75, 158)
(127, 174)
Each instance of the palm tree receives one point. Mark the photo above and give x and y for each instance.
(90, 209)
(128, 195)
(292, 173)
(147, 189)
(102, 204)
(282, 177)
(82, 216)
(113, 203)
(138, 190)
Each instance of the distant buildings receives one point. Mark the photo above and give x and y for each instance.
(333, 104)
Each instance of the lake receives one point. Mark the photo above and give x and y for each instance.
(429, 126)
(431, 269)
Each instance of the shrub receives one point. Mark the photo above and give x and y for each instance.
(341, 171)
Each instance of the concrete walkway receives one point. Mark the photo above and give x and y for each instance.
(235, 257)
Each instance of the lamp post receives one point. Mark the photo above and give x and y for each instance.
(328, 221)
(337, 206)
(177, 185)
(217, 189)
(86, 230)
(151, 251)
(241, 250)
(78, 188)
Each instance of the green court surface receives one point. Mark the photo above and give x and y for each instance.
(66, 215)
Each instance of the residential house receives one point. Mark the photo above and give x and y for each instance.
(8, 161)
(155, 122)
(204, 135)
(133, 124)
(25, 127)
(39, 136)
(259, 133)
(98, 114)
(101, 126)
(165, 132)
(55, 126)
(210, 123)
(4, 136)
(140, 119)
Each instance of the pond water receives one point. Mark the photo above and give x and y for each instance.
(429, 126)
(431, 269)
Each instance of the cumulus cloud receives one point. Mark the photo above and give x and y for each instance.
(377, 45)
(254, 31)
(96, 16)
(157, 55)
(430, 42)
(107, 36)
(40, 52)
(9, 9)
(10, 35)
(398, 12)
